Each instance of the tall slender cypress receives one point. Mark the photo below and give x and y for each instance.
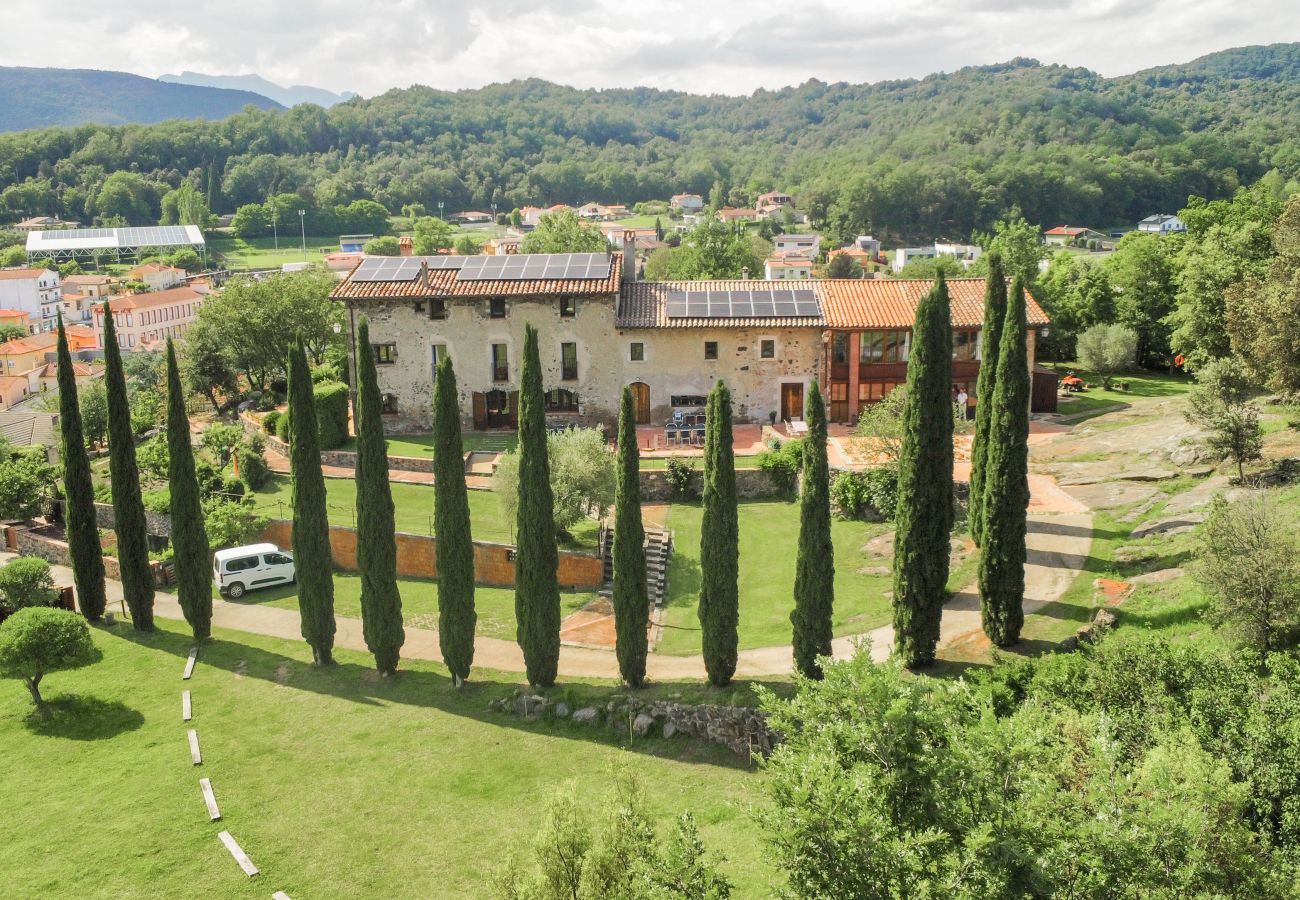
(814, 577)
(79, 494)
(924, 514)
(631, 603)
(995, 310)
(537, 592)
(719, 543)
(381, 602)
(192, 555)
(128, 505)
(451, 526)
(1006, 487)
(311, 530)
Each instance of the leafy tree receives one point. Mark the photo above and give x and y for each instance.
(39, 640)
(189, 537)
(1006, 482)
(231, 524)
(9, 332)
(930, 268)
(924, 513)
(382, 246)
(814, 579)
(719, 607)
(79, 493)
(126, 197)
(882, 429)
(451, 525)
(995, 310)
(1019, 246)
(465, 246)
(563, 232)
(583, 476)
(1221, 404)
(24, 582)
(1248, 559)
(429, 234)
(185, 206)
(1142, 272)
(26, 480)
(711, 249)
(1107, 350)
(221, 440)
(124, 474)
(94, 411)
(208, 367)
(537, 592)
(311, 531)
(381, 601)
(1261, 310)
(843, 266)
(631, 602)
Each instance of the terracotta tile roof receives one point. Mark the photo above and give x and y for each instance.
(1069, 230)
(644, 304)
(150, 300)
(10, 274)
(33, 343)
(151, 267)
(12, 314)
(891, 303)
(445, 283)
(79, 370)
(87, 279)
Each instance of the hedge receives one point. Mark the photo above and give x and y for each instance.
(331, 399)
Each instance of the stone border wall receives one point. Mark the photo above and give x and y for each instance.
(417, 557)
(56, 552)
(751, 484)
(344, 459)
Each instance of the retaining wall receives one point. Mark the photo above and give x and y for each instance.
(751, 484)
(417, 557)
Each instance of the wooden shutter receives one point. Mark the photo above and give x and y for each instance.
(480, 411)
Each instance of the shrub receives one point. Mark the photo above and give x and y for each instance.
(233, 488)
(881, 487)
(210, 480)
(680, 478)
(282, 427)
(152, 458)
(26, 582)
(854, 493)
(221, 440)
(103, 492)
(270, 420)
(331, 399)
(231, 524)
(848, 495)
(253, 468)
(36, 641)
(159, 501)
(783, 462)
(1107, 350)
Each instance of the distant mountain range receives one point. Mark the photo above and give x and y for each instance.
(40, 98)
(287, 96)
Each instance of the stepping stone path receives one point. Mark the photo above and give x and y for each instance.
(205, 784)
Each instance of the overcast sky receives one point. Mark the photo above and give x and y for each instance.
(696, 45)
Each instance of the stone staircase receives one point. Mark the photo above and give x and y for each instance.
(658, 551)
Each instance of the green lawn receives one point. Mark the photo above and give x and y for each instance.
(769, 533)
(495, 606)
(1141, 384)
(336, 783)
(261, 253)
(413, 507)
(421, 445)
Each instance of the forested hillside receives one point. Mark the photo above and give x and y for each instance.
(935, 157)
(30, 98)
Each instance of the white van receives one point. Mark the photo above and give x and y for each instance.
(241, 569)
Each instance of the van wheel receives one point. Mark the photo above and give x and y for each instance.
(235, 591)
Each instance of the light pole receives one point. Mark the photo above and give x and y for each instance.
(352, 349)
(275, 233)
(439, 209)
(302, 220)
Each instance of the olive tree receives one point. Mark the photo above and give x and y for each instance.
(584, 475)
(1107, 350)
(39, 640)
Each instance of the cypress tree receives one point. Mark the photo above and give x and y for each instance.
(79, 494)
(381, 602)
(995, 310)
(192, 554)
(719, 543)
(814, 578)
(451, 526)
(631, 603)
(128, 506)
(311, 531)
(924, 515)
(1006, 487)
(537, 592)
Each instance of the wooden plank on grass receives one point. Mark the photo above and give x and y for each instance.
(210, 798)
(189, 663)
(194, 747)
(187, 710)
(240, 856)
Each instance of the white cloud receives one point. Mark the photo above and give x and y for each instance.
(727, 47)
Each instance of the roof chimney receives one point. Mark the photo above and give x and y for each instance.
(629, 255)
(404, 247)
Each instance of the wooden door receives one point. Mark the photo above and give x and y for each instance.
(791, 401)
(512, 409)
(641, 401)
(480, 411)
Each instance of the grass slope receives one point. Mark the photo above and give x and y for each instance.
(335, 783)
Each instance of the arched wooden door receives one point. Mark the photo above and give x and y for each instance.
(641, 401)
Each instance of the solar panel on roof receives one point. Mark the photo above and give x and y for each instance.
(757, 303)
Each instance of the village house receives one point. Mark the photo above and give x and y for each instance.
(774, 198)
(686, 202)
(1162, 224)
(143, 321)
(530, 215)
(866, 260)
(787, 267)
(16, 317)
(501, 246)
(95, 287)
(21, 355)
(601, 329)
(157, 276)
(471, 217)
(809, 245)
(43, 223)
(1069, 235)
(732, 214)
(34, 291)
(966, 254)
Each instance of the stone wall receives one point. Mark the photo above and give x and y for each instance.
(417, 558)
(742, 730)
(56, 553)
(751, 484)
(345, 459)
(157, 524)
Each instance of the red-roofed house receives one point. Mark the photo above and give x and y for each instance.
(732, 214)
(1067, 235)
(143, 321)
(787, 267)
(16, 317)
(156, 276)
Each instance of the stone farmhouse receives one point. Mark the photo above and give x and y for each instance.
(601, 329)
